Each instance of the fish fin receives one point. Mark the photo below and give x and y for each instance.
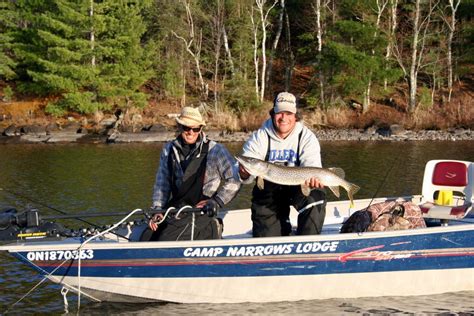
(335, 190)
(260, 183)
(306, 190)
(338, 172)
(352, 190)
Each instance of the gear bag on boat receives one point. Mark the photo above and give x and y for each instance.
(390, 215)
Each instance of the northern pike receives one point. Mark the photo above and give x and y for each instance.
(332, 178)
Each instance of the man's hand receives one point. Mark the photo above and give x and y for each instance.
(153, 222)
(210, 207)
(314, 183)
(244, 175)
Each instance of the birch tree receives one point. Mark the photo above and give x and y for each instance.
(392, 27)
(318, 11)
(289, 56)
(217, 15)
(380, 7)
(193, 45)
(260, 30)
(276, 40)
(420, 20)
(227, 50)
(451, 23)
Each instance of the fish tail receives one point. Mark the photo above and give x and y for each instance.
(351, 191)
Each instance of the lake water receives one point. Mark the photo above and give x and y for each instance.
(84, 178)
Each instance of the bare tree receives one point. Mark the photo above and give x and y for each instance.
(275, 44)
(451, 23)
(256, 60)
(262, 25)
(318, 8)
(92, 34)
(381, 4)
(193, 46)
(421, 22)
(218, 33)
(227, 50)
(289, 56)
(391, 35)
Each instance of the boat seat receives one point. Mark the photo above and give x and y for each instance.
(432, 210)
(447, 191)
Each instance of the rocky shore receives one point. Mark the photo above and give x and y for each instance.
(74, 133)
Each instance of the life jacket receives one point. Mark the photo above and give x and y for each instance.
(190, 190)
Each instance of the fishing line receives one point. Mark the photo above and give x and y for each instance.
(45, 205)
(47, 275)
(78, 249)
(384, 180)
(54, 209)
(92, 238)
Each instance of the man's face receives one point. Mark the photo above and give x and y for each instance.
(190, 134)
(284, 123)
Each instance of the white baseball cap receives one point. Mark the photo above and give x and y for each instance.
(285, 102)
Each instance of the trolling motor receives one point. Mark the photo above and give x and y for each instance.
(17, 226)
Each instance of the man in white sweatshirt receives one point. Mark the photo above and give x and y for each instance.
(282, 139)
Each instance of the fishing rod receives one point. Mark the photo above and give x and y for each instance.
(32, 217)
(383, 181)
(45, 205)
(147, 213)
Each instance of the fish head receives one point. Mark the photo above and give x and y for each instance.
(253, 166)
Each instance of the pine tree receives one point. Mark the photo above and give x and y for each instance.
(123, 62)
(8, 18)
(88, 54)
(353, 57)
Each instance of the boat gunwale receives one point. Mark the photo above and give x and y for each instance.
(68, 244)
(332, 219)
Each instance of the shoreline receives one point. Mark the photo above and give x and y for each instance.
(393, 133)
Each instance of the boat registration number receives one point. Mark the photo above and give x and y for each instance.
(60, 255)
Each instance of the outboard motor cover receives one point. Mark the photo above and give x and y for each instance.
(8, 228)
(17, 226)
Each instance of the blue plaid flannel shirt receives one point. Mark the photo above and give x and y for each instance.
(220, 166)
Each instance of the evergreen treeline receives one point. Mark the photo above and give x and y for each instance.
(90, 55)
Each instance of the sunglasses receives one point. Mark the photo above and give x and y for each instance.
(187, 129)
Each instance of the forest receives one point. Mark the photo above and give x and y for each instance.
(351, 63)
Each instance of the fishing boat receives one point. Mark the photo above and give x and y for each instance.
(114, 265)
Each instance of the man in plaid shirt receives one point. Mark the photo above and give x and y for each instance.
(190, 173)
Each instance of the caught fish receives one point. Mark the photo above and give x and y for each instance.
(332, 178)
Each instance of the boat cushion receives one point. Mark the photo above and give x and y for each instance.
(450, 173)
(431, 210)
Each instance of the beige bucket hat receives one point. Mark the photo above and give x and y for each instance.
(190, 117)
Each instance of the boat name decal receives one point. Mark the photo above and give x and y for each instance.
(59, 255)
(267, 250)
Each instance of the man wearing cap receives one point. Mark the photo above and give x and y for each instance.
(190, 173)
(282, 139)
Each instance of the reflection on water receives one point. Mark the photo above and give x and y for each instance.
(85, 178)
